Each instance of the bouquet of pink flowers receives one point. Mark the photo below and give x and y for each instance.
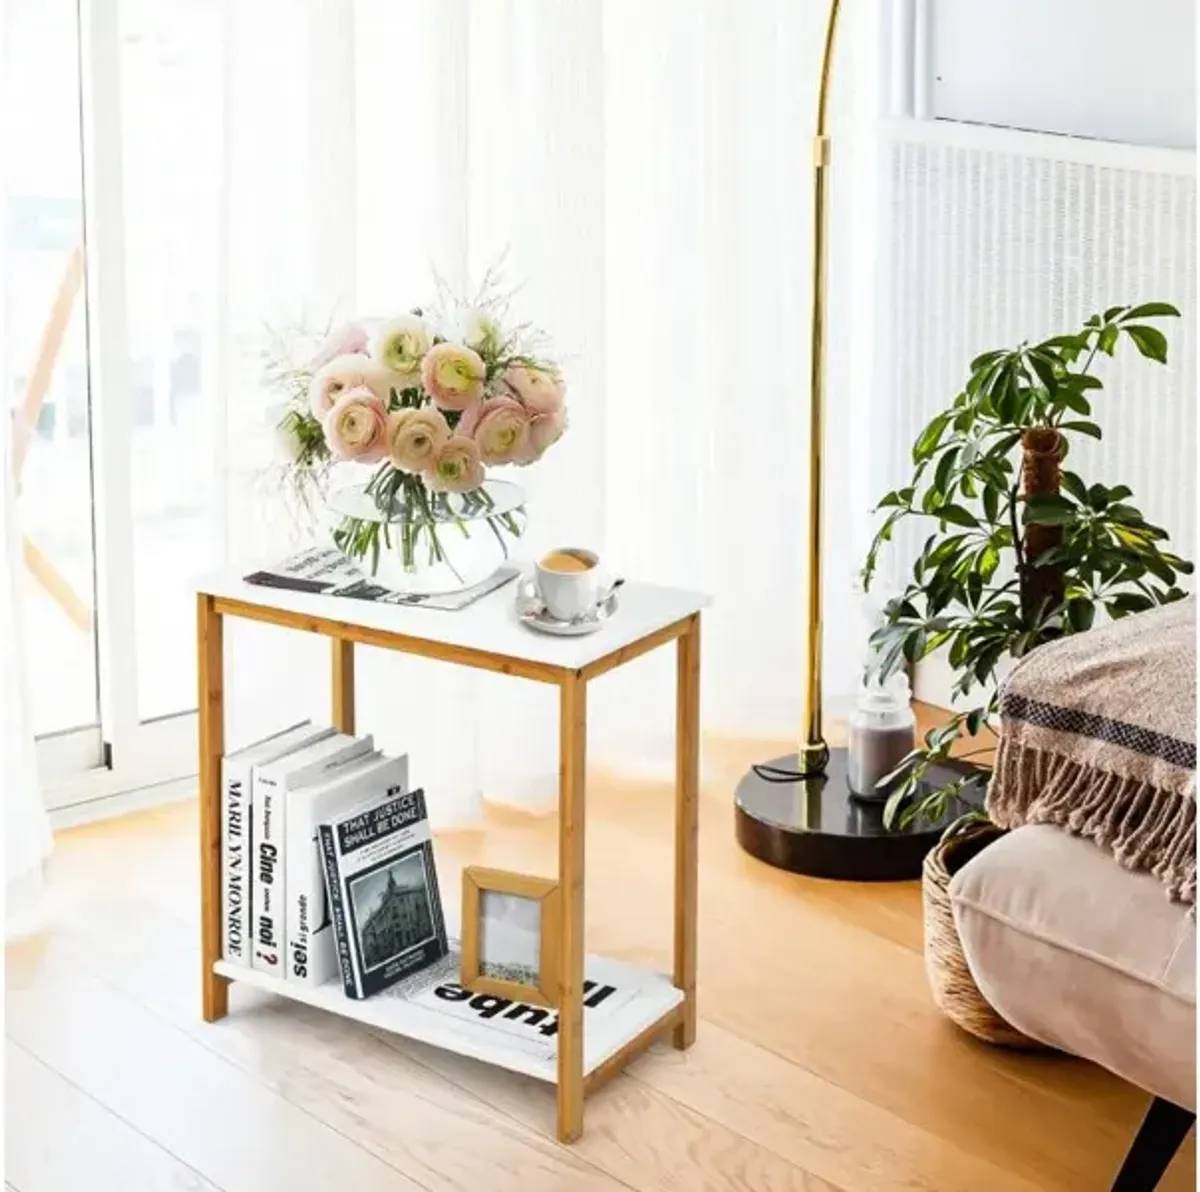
(432, 403)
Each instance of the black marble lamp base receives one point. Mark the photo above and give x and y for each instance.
(817, 826)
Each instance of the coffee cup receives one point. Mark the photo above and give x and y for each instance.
(568, 581)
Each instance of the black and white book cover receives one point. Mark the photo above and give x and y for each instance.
(312, 950)
(383, 893)
(236, 832)
(272, 782)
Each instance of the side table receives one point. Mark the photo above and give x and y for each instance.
(487, 636)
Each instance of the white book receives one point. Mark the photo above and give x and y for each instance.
(311, 946)
(272, 782)
(236, 836)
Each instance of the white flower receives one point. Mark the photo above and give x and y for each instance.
(284, 434)
(479, 330)
(400, 346)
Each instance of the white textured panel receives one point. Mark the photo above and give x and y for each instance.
(989, 239)
(1122, 79)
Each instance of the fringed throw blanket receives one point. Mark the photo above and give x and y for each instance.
(1098, 736)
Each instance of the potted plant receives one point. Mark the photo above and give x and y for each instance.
(1021, 549)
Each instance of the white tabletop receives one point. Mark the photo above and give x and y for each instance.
(489, 624)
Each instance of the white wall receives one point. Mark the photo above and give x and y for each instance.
(1117, 70)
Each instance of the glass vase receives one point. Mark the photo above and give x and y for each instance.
(410, 539)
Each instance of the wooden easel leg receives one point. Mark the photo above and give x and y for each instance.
(343, 685)
(687, 824)
(210, 663)
(571, 806)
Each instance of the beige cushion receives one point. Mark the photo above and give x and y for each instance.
(1084, 955)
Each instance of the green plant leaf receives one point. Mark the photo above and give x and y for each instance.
(985, 359)
(1149, 310)
(929, 439)
(1128, 602)
(1149, 340)
(991, 503)
(1111, 312)
(944, 469)
(1075, 486)
(1080, 614)
(1072, 342)
(956, 515)
(1084, 428)
(1049, 510)
(1108, 339)
(1044, 367)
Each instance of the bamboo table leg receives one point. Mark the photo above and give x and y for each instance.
(571, 805)
(210, 662)
(687, 823)
(343, 685)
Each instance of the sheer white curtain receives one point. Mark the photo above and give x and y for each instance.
(26, 829)
(646, 170)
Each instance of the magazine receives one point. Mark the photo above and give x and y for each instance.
(326, 571)
(609, 1000)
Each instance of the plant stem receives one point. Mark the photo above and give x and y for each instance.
(1016, 533)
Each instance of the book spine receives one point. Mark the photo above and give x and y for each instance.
(236, 862)
(435, 899)
(267, 886)
(305, 899)
(337, 908)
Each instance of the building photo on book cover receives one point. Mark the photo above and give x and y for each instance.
(390, 911)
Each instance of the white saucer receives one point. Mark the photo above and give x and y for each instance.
(532, 612)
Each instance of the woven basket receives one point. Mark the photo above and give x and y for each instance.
(954, 989)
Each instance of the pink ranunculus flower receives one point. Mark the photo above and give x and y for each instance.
(414, 435)
(539, 390)
(544, 431)
(346, 340)
(501, 428)
(453, 376)
(343, 373)
(356, 427)
(456, 467)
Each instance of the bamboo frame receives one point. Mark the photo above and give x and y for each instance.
(479, 880)
(566, 904)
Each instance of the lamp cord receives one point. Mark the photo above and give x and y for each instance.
(769, 773)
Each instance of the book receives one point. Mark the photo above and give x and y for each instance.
(311, 949)
(383, 894)
(236, 835)
(272, 783)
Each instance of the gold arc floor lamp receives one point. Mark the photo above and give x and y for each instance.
(797, 812)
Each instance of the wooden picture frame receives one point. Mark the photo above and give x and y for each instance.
(478, 882)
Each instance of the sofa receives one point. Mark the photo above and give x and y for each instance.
(1079, 923)
(1091, 958)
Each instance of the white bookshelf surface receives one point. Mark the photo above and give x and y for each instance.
(638, 999)
(491, 623)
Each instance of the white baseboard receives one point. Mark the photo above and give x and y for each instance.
(109, 806)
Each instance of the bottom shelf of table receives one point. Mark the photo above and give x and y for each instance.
(622, 1004)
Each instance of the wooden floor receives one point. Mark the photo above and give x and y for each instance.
(820, 1062)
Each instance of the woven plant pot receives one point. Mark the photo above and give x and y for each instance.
(954, 989)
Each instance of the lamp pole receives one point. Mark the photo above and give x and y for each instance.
(798, 812)
(814, 752)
